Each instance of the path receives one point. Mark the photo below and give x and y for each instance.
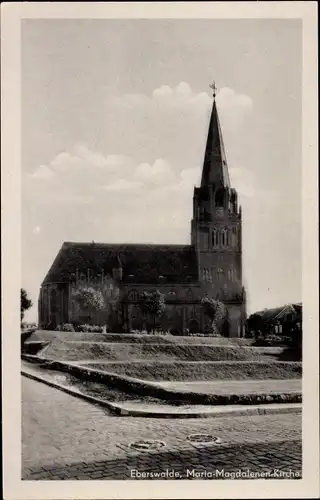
(67, 438)
(236, 386)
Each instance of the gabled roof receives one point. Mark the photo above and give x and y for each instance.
(215, 167)
(277, 313)
(140, 263)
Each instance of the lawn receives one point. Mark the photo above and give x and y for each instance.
(77, 351)
(48, 335)
(203, 371)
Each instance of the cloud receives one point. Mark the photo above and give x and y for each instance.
(157, 174)
(123, 185)
(243, 181)
(117, 161)
(43, 173)
(163, 91)
(135, 181)
(191, 175)
(227, 97)
(182, 95)
(80, 158)
(36, 230)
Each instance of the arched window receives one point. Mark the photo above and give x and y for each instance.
(53, 307)
(234, 237)
(223, 237)
(190, 295)
(233, 201)
(233, 275)
(214, 238)
(219, 199)
(206, 275)
(53, 301)
(219, 273)
(133, 295)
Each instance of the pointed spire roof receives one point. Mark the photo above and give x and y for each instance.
(215, 167)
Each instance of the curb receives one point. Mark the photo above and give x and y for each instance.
(218, 411)
(148, 388)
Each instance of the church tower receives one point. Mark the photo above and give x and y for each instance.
(216, 230)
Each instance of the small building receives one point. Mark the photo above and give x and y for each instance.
(282, 320)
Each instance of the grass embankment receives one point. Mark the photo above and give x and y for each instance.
(144, 388)
(34, 347)
(203, 371)
(49, 335)
(77, 351)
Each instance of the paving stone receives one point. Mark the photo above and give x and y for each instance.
(62, 434)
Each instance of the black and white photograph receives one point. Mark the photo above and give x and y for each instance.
(162, 304)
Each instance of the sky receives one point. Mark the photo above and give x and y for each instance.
(114, 122)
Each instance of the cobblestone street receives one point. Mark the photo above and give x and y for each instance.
(66, 438)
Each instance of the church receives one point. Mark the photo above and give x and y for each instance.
(210, 266)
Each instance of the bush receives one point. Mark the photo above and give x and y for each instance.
(175, 331)
(86, 328)
(261, 342)
(96, 329)
(66, 327)
(83, 328)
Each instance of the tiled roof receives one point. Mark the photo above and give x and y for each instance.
(140, 263)
(279, 312)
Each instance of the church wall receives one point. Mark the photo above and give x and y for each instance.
(53, 305)
(237, 319)
(220, 273)
(180, 310)
(111, 294)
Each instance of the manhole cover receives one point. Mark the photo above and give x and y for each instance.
(146, 445)
(203, 439)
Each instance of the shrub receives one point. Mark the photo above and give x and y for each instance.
(175, 331)
(152, 304)
(89, 299)
(84, 328)
(215, 310)
(25, 303)
(96, 329)
(66, 327)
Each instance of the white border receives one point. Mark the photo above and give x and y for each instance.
(14, 488)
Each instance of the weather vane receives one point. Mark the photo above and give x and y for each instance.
(214, 89)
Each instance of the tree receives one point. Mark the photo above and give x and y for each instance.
(25, 303)
(215, 310)
(152, 304)
(90, 300)
(225, 327)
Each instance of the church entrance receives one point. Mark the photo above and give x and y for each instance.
(136, 319)
(193, 326)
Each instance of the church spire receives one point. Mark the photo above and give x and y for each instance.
(215, 168)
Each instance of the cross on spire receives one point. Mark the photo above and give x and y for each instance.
(214, 88)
